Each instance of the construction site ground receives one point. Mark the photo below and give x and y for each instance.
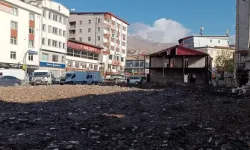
(80, 117)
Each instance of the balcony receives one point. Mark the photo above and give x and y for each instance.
(72, 35)
(106, 52)
(107, 35)
(116, 63)
(107, 44)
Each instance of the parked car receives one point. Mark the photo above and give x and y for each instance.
(9, 81)
(42, 77)
(135, 80)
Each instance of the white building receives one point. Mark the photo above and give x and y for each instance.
(20, 32)
(105, 30)
(203, 41)
(54, 37)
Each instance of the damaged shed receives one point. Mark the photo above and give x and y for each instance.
(180, 64)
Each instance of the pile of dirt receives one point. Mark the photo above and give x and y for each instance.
(112, 117)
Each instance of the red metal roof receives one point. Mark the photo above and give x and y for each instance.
(181, 51)
(98, 13)
(84, 46)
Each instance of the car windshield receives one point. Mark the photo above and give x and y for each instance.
(39, 74)
(67, 75)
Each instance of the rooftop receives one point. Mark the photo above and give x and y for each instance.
(99, 13)
(216, 36)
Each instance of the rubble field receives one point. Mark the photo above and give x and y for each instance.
(79, 117)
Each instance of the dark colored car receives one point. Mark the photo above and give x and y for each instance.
(9, 81)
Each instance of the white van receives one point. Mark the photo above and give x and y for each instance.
(42, 77)
(76, 77)
(94, 77)
(18, 73)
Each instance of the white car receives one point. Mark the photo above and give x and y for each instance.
(135, 80)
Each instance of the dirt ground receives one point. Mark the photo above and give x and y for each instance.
(79, 117)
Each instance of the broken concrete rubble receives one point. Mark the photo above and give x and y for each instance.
(108, 117)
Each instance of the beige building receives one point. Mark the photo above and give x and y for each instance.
(215, 51)
(102, 29)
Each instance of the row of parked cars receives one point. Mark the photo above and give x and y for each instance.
(45, 77)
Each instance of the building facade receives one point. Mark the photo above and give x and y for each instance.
(20, 32)
(54, 37)
(194, 42)
(104, 30)
(180, 64)
(82, 56)
(137, 65)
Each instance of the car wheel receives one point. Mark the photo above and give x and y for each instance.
(16, 84)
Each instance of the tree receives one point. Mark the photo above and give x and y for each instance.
(224, 62)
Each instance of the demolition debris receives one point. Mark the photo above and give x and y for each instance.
(112, 117)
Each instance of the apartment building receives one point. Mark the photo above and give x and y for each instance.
(194, 42)
(82, 56)
(105, 30)
(20, 32)
(54, 37)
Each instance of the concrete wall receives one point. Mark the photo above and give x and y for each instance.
(156, 76)
(193, 62)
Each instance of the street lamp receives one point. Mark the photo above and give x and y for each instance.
(30, 52)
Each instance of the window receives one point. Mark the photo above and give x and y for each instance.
(89, 21)
(62, 60)
(123, 51)
(99, 29)
(122, 59)
(89, 29)
(32, 17)
(99, 20)
(77, 64)
(31, 30)
(211, 41)
(31, 44)
(49, 42)
(49, 29)
(64, 33)
(89, 38)
(45, 56)
(55, 17)
(44, 13)
(95, 67)
(80, 30)
(98, 38)
(64, 21)
(80, 22)
(64, 46)
(60, 32)
(60, 19)
(43, 41)
(30, 57)
(186, 63)
(55, 58)
(90, 66)
(218, 41)
(12, 55)
(13, 25)
(124, 28)
(50, 15)
(15, 11)
(54, 43)
(44, 27)
(55, 30)
(59, 44)
(80, 39)
(13, 40)
(110, 57)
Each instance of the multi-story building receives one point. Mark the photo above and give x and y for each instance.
(194, 42)
(82, 56)
(54, 37)
(137, 65)
(105, 30)
(20, 32)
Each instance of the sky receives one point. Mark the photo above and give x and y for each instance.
(166, 20)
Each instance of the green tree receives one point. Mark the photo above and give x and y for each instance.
(224, 62)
